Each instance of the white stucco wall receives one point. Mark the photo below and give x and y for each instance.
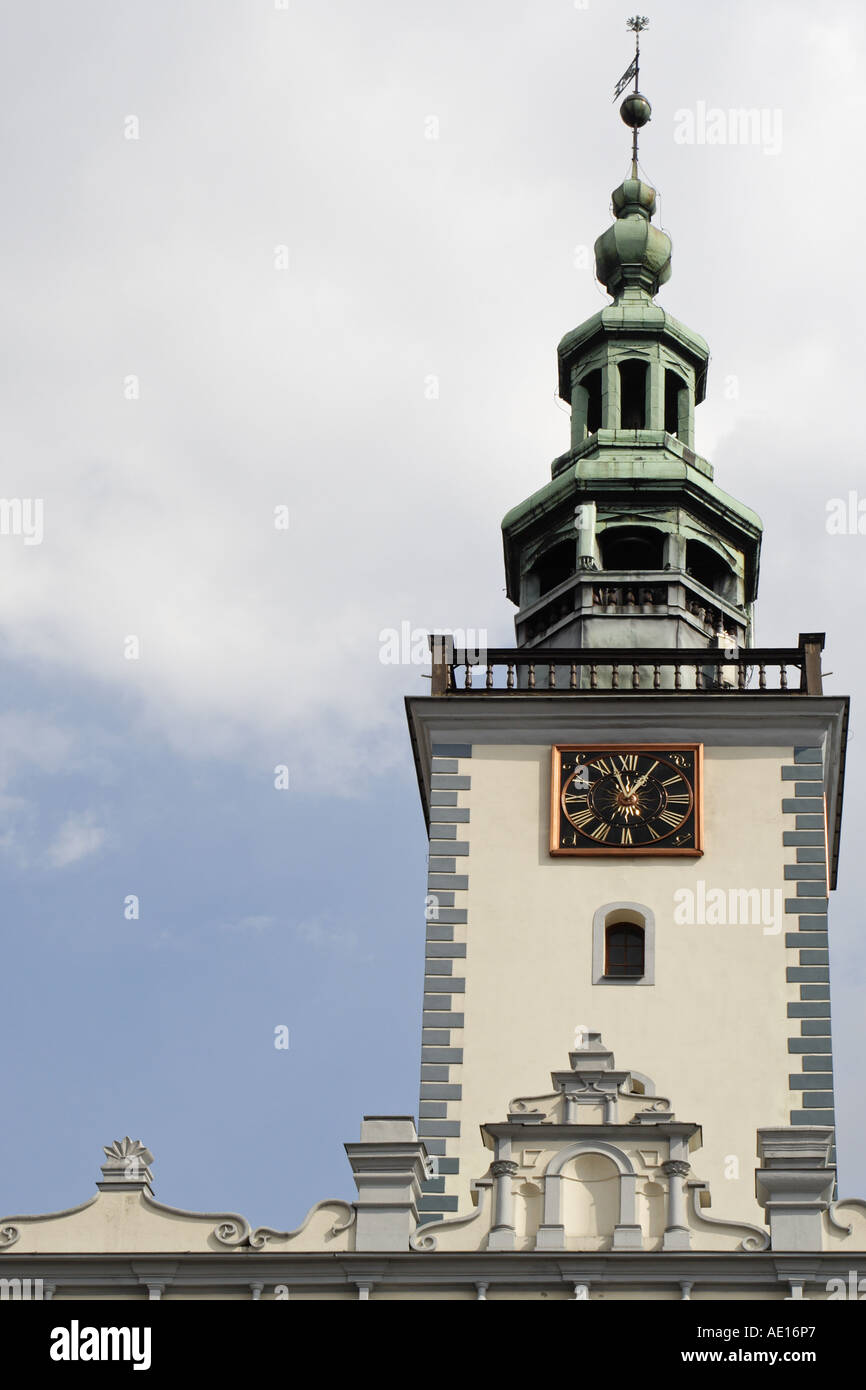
(711, 1032)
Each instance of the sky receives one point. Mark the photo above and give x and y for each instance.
(281, 290)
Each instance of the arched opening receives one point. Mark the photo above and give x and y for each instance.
(590, 1201)
(709, 569)
(624, 951)
(632, 395)
(631, 548)
(623, 948)
(676, 405)
(591, 384)
(555, 566)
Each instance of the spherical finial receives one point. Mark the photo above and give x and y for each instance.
(635, 110)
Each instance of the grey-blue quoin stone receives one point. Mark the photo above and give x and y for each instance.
(452, 750)
(802, 774)
(437, 1204)
(806, 871)
(451, 982)
(807, 822)
(437, 1002)
(439, 865)
(443, 899)
(812, 1009)
(802, 1081)
(804, 855)
(442, 1054)
(801, 805)
(809, 1045)
(807, 755)
(803, 837)
(434, 1185)
(434, 1073)
(435, 1146)
(449, 812)
(442, 832)
(432, 1110)
(439, 1129)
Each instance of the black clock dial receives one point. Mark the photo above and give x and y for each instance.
(627, 799)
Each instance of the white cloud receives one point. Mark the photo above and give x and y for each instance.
(249, 924)
(78, 837)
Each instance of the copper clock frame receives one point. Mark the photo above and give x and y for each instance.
(558, 815)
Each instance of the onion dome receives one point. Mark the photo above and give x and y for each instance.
(633, 253)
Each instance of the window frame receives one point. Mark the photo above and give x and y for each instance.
(622, 914)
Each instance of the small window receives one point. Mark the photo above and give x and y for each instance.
(624, 951)
(632, 386)
(623, 945)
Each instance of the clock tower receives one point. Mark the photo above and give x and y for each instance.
(634, 812)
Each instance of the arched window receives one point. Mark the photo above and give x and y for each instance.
(631, 548)
(708, 567)
(591, 383)
(676, 405)
(555, 566)
(623, 944)
(623, 951)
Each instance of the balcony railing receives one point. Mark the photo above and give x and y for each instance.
(628, 670)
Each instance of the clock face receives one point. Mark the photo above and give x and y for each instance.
(626, 799)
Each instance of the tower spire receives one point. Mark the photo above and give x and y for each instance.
(635, 110)
(633, 258)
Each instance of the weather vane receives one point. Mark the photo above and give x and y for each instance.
(635, 110)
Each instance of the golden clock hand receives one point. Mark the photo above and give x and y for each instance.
(640, 781)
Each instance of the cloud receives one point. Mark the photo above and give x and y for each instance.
(249, 924)
(344, 940)
(78, 837)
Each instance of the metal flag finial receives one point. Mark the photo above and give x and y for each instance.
(635, 110)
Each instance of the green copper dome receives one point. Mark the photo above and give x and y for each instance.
(633, 253)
